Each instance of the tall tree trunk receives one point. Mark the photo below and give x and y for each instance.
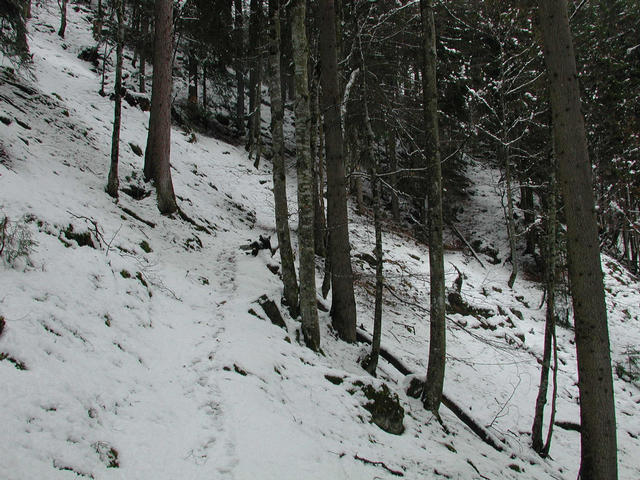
(239, 64)
(343, 307)
(549, 331)
(253, 48)
(597, 408)
(503, 158)
(158, 151)
(308, 306)
(144, 32)
(63, 17)
(319, 225)
(113, 182)
(371, 362)
(432, 393)
(279, 175)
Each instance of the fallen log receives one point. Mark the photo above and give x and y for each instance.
(464, 417)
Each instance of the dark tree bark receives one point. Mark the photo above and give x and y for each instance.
(371, 362)
(142, 47)
(239, 63)
(255, 68)
(537, 442)
(432, 393)
(597, 408)
(63, 17)
(279, 175)
(343, 307)
(113, 182)
(308, 306)
(158, 152)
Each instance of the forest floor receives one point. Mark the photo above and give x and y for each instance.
(134, 347)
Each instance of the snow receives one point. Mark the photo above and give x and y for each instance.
(156, 356)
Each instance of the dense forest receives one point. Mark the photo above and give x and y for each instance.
(383, 107)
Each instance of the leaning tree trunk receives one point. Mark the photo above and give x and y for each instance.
(343, 307)
(63, 17)
(113, 182)
(597, 407)
(432, 393)
(308, 306)
(279, 175)
(158, 152)
(537, 442)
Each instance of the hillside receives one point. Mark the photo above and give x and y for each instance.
(134, 345)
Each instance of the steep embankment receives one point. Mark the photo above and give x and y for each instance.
(128, 349)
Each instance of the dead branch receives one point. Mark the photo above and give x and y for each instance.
(397, 473)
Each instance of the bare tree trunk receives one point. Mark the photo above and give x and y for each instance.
(255, 10)
(239, 64)
(549, 331)
(308, 306)
(113, 182)
(597, 408)
(371, 362)
(432, 393)
(144, 32)
(158, 152)
(63, 17)
(343, 307)
(511, 225)
(319, 226)
(279, 175)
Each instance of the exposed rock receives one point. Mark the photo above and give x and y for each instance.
(91, 55)
(458, 305)
(385, 408)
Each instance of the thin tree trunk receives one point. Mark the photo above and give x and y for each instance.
(319, 225)
(597, 408)
(63, 18)
(239, 64)
(343, 307)
(432, 393)
(144, 32)
(371, 362)
(511, 225)
(253, 48)
(550, 274)
(308, 306)
(158, 151)
(279, 175)
(113, 182)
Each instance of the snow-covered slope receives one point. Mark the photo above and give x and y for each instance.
(139, 358)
